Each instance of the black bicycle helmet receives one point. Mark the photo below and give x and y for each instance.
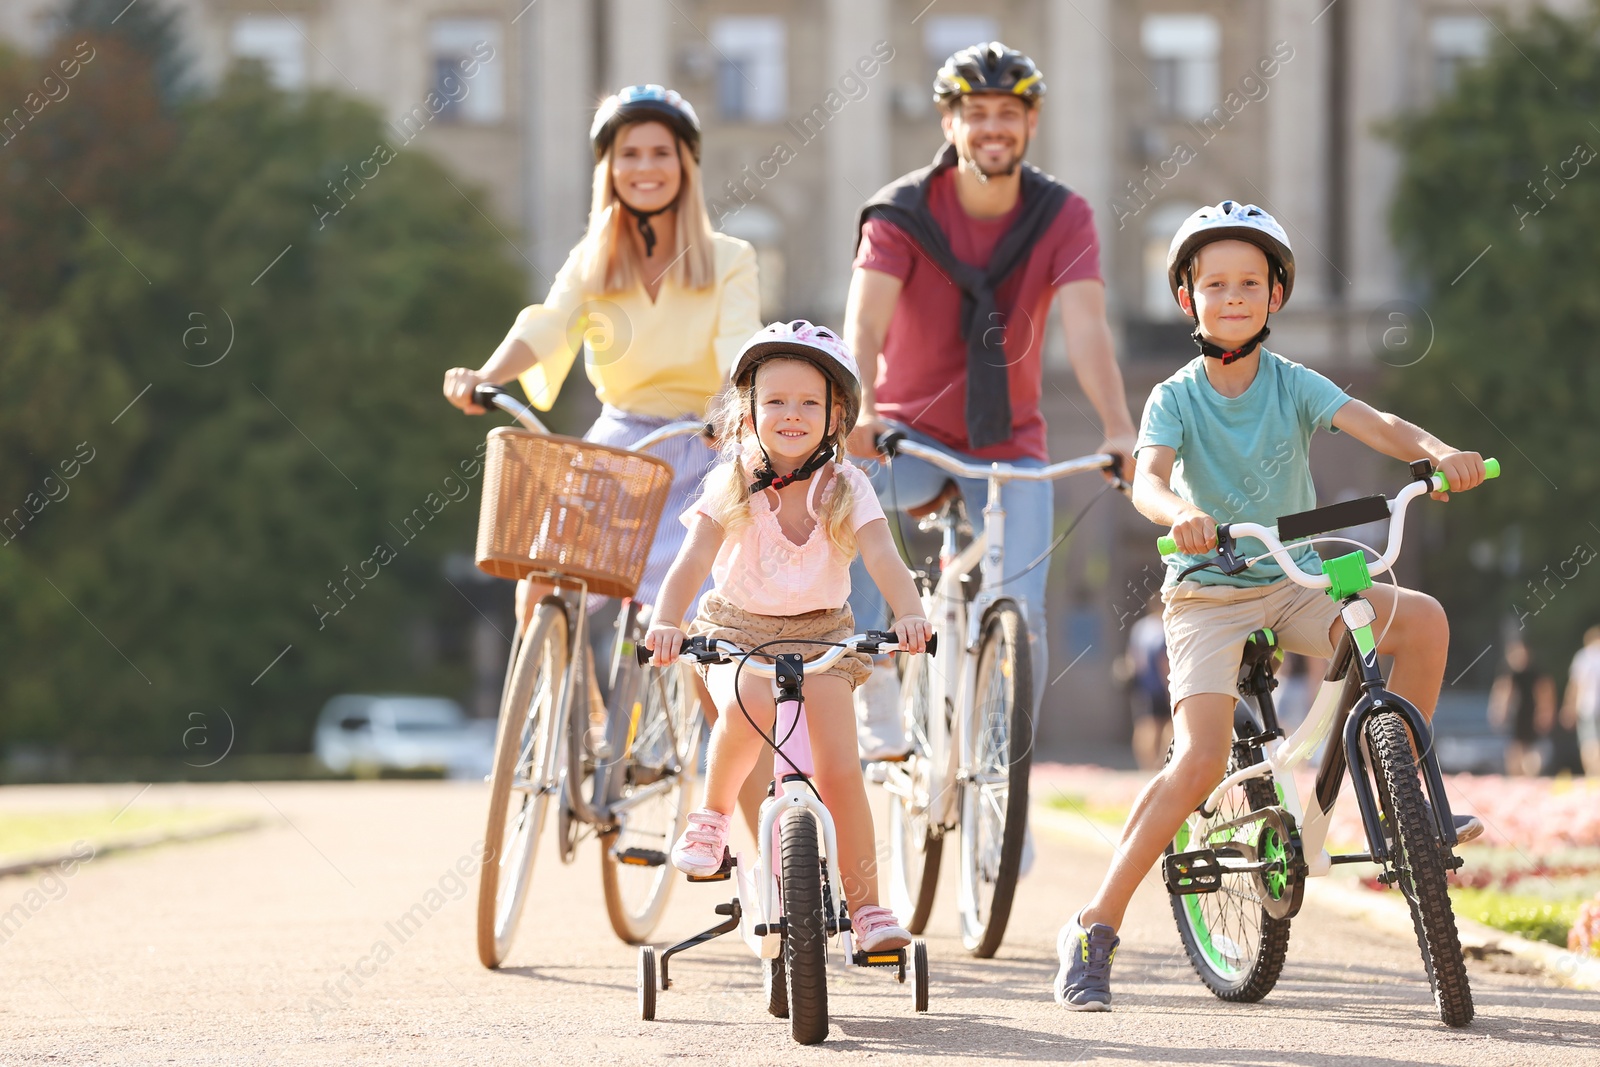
(988, 68)
(643, 103)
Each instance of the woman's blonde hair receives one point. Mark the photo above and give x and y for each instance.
(611, 263)
(727, 487)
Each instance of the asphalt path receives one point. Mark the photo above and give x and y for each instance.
(283, 946)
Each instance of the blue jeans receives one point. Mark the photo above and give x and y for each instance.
(1030, 517)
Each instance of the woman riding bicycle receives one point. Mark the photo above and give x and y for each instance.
(661, 302)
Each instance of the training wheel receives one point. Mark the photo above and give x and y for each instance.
(647, 982)
(919, 973)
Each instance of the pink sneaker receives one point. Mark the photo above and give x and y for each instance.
(699, 851)
(876, 929)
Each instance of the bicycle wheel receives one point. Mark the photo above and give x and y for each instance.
(777, 987)
(655, 777)
(1235, 946)
(1419, 861)
(914, 846)
(805, 941)
(994, 796)
(524, 778)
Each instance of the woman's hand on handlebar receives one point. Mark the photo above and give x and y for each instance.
(459, 382)
(1462, 470)
(664, 642)
(1195, 532)
(912, 632)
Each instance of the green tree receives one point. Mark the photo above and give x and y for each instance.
(228, 320)
(1498, 214)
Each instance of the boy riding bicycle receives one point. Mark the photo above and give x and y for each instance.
(1226, 439)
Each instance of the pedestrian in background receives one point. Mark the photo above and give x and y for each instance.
(1581, 708)
(1522, 703)
(1145, 667)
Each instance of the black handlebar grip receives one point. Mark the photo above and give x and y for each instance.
(888, 440)
(642, 654)
(483, 395)
(933, 644)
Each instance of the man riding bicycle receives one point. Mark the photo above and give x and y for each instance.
(956, 266)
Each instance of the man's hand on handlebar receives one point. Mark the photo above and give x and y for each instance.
(665, 643)
(863, 441)
(1195, 532)
(459, 382)
(1120, 446)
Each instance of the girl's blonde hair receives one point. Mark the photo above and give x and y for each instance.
(610, 263)
(727, 487)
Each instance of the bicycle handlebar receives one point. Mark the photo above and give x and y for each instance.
(492, 396)
(713, 650)
(892, 442)
(1268, 535)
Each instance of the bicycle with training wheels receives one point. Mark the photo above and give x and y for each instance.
(1237, 868)
(615, 751)
(969, 717)
(789, 902)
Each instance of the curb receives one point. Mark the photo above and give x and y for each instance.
(133, 844)
(1385, 911)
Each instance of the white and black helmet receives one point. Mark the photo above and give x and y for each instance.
(1230, 221)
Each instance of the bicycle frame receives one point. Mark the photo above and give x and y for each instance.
(1334, 718)
(948, 611)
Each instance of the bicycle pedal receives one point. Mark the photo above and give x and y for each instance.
(639, 857)
(722, 874)
(894, 957)
(1192, 873)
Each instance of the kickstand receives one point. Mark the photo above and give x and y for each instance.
(731, 910)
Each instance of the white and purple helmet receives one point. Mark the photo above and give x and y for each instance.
(817, 345)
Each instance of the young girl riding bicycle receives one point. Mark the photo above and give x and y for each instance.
(1225, 439)
(780, 520)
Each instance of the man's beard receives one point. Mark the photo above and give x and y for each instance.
(970, 163)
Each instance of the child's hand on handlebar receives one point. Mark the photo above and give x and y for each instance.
(459, 382)
(912, 632)
(1463, 470)
(664, 642)
(1195, 533)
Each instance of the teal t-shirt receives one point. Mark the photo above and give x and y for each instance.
(1243, 458)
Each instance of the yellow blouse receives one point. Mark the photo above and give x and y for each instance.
(665, 357)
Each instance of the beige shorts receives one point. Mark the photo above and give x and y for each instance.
(1206, 627)
(725, 621)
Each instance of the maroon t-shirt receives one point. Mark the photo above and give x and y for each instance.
(922, 378)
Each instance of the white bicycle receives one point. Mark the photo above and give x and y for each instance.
(969, 716)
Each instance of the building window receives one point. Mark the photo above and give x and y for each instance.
(1456, 40)
(1159, 304)
(1182, 51)
(467, 70)
(752, 67)
(945, 35)
(278, 42)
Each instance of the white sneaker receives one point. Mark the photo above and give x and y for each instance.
(880, 731)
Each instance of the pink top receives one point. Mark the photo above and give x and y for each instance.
(759, 570)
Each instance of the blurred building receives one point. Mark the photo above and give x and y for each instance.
(1154, 108)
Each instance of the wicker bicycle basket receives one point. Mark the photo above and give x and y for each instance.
(558, 505)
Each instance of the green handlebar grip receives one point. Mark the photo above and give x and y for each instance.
(1491, 469)
(1166, 545)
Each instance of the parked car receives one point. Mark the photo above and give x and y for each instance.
(374, 732)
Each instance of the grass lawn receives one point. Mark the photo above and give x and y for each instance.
(27, 834)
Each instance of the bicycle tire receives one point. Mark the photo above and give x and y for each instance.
(776, 987)
(646, 981)
(1419, 860)
(662, 744)
(915, 849)
(805, 941)
(1000, 733)
(1233, 944)
(525, 742)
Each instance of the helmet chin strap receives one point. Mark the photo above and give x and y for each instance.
(647, 231)
(1229, 355)
(766, 476)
